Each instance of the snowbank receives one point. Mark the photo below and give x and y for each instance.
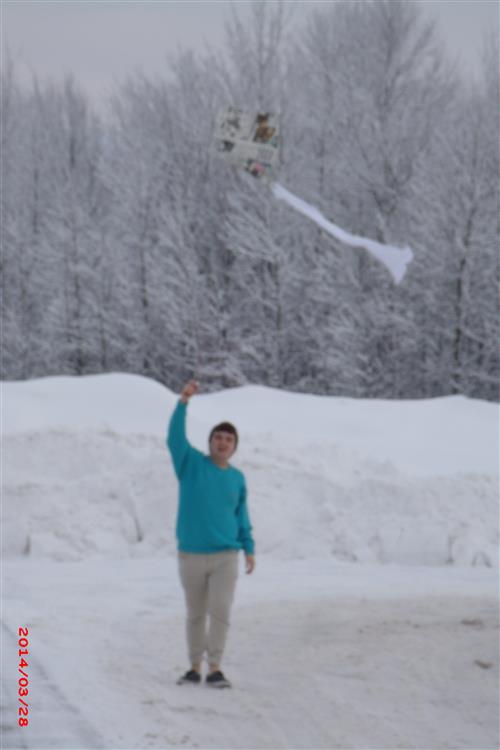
(86, 472)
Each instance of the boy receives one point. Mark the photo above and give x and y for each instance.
(212, 526)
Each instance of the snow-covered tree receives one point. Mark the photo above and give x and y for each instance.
(459, 198)
(128, 245)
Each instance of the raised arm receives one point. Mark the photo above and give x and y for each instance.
(177, 441)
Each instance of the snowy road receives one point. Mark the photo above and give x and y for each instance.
(322, 655)
(58, 723)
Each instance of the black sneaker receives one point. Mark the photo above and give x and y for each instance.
(191, 676)
(217, 679)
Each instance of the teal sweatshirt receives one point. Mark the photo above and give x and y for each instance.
(212, 514)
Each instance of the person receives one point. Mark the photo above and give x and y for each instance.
(212, 526)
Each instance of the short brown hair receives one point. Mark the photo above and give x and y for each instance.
(225, 427)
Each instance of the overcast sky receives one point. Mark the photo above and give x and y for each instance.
(100, 42)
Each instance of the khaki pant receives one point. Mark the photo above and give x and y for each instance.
(209, 582)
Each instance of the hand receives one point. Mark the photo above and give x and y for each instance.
(249, 563)
(189, 390)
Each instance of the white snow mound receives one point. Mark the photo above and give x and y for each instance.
(407, 482)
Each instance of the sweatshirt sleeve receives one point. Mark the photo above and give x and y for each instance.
(245, 527)
(177, 441)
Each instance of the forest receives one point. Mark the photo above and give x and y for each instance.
(129, 246)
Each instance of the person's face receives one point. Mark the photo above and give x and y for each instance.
(222, 446)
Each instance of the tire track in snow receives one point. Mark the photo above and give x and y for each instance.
(54, 722)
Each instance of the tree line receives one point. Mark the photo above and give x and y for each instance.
(128, 245)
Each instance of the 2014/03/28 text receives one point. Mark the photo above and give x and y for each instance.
(23, 644)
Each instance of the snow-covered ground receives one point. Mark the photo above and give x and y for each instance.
(371, 620)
